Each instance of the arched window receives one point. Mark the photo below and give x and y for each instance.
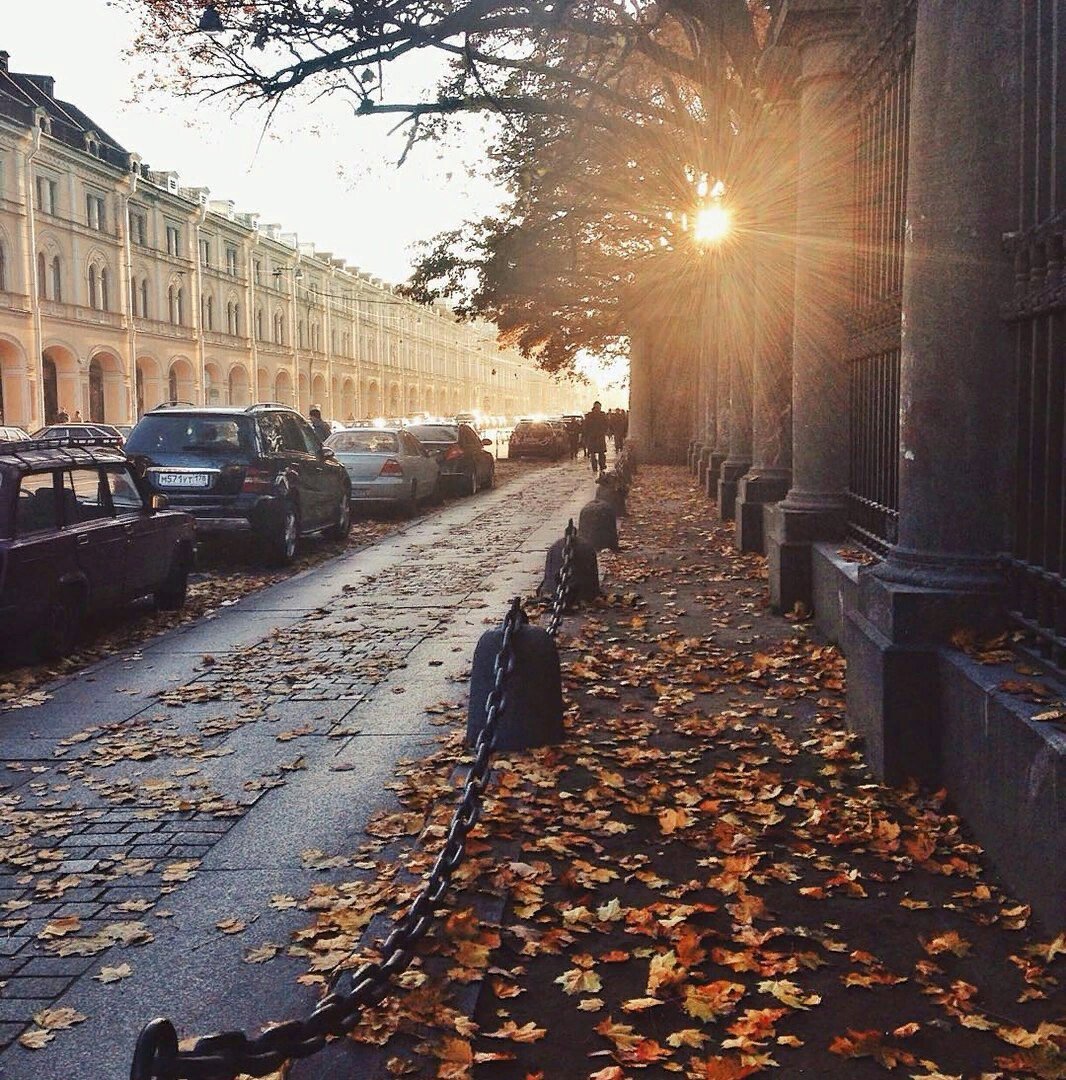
(42, 276)
(172, 384)
(92, 287)
(279, 329)
(181, 307)
(3, 269)
(207, 312)
(172, 305)
(105, 298)
(57, 279)
(259, 324)
(300, 333)
(144, 297)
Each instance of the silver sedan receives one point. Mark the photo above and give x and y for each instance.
(386, 465)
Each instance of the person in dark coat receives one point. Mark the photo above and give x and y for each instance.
(595, 431)
(322, 429)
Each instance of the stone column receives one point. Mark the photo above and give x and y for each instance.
(719, 357)
(814, 509)
(639, 390)
(956, 395)
(768, 479)
(708, 360)
(738, 341)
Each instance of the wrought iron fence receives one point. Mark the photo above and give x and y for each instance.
(883, 77)
(1038, 310)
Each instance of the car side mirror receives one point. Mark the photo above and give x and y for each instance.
(486, 442)
(159, 502)
(328, 453)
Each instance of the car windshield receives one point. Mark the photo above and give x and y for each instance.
(177, 434)
(434, 433)
(363, 442)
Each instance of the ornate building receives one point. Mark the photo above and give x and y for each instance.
(120, 288)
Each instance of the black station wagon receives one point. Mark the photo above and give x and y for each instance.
(80, 531)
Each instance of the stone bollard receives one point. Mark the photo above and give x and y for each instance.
(532, 712)
(611, 489)
(598, 526)
(585, 578)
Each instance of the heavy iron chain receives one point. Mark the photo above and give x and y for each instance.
(230, 1053)
(564, 584)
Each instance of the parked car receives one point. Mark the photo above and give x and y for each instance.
(387, 465)
(100, 434)
(13, 434)
(465, 464)
(259, 470)
(80, 531)
(536, 438)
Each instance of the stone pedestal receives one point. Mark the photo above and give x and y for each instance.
(757, 490)
(956, 420)
(814, 509)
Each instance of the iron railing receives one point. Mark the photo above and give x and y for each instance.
(883, 76)
(1037, 562)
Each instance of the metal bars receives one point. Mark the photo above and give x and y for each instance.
(1038, 559)
(884, 80)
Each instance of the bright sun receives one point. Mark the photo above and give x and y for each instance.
(712, 224)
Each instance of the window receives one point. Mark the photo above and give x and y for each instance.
(257, 271)
(105, 298)
(173, 239)
(42, 275)
(231, 261)
(85, 496)
(57, 279)
(35, 509)
(279, 329)
(47, 190)
(300, 333)
(3, 269)
(272, 431)
(92, 286)
(205, 250)
(125, 497)
(207, 312)
(176, 306)
(138, 227)
(144, 298)
(95, 213)
(299, 437)
(259, 324)
(233, 321)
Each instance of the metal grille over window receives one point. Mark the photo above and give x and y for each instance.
(884, 79)
(1038, 312)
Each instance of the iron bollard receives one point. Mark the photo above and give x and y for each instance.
(156, 1055)
(611, 489)
(585, 578)
(598, 526)
(532, 710)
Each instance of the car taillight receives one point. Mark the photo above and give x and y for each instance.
(452, 453)
(257, 481)
(391, 467)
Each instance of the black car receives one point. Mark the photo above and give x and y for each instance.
(260, 470)
(465, 464)
(80, 531)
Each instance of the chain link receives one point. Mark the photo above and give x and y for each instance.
(564, 582)
(226, 1055)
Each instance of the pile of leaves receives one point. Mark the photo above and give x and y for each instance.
(704, 879)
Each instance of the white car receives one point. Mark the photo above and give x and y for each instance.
(387, 465)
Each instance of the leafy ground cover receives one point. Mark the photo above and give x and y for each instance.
(704, 879)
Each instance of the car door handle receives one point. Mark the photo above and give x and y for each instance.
(83, 539)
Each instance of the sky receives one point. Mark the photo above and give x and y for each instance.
(318, 170)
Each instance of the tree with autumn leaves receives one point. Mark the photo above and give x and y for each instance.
(612, 120)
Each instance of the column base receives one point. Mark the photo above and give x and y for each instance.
(892, 643)
(714, 472)
(791, 529)
(728, 483)
(702, 465)
(694, 449)
(756, 490)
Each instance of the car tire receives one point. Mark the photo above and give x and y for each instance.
(61, 627)
(470, 483)
(343, 525)
(283, 542)
(170, 596)
(409, 506)
(491, 482)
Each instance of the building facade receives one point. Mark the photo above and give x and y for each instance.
(121, 288)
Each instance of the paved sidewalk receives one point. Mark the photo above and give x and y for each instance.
(704, 879)
(165, 813)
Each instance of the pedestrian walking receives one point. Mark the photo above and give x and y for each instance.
(62, 417)
(595, 431)
(619, 428)
(76, 419)
(322, 429)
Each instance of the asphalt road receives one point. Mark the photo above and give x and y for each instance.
(169, 789)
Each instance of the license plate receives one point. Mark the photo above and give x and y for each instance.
(363, 492)
(185, 480)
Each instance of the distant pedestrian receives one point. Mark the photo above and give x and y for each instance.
(595, 432)
(619, 427)
(76, 418)
(322, 429)
(62, 417)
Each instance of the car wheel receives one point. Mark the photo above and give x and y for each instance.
(343, 525)
(471, 483)
(170, 596)
(282, 544)
(61, 627)
(491, 482)
(409, 506)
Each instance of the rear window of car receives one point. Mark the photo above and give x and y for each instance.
(363, 442)
(434, 433)
(188, 434)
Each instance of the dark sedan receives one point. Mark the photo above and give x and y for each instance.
(465, 464)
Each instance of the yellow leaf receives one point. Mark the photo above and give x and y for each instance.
(577, 981)
(36, 1039)
(113, 974)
